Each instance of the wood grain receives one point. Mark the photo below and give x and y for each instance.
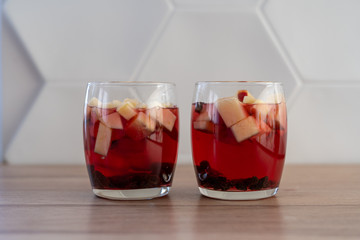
(53, 202)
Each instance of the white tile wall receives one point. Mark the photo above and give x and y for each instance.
(310, 46)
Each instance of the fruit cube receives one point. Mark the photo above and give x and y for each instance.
(206, 126)
(281, 118)
(204, 116)
(113, 120)
(126, 110)
(245, 97)
(140, 127)
(132, 102)
(116, 103)
(231, 110)
(249, 99)
(103, 140)
(94, 102)
(164, 116)
(245, 129)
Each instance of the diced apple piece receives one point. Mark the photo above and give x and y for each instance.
(94, 102)
(281, 115)
(126, 110)
(204, 116)
(206, 126)
(249, 99)
(108, 105)
(132, 102)
(245, 129)
(167, 119)
(113, 120)
(103, 140)
(231, 110)
(245, 96)
(164, 116)
(116, 103)
(140, 127)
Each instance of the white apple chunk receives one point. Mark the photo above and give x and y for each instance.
(146, 121)
(103, 140)
(126, 110)
(249, 99)
(281, 116)
(207, 126)
(94, 102)
(140, 127)
(231, 110)
(245, 129)
(204, 116)
(113, 121)
(164, 116)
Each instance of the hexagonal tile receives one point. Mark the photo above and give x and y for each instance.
(214, 46)
(324, 126)
(216, 5)
(21, 80)
(52, 131)
(82, 40)
(322, 37)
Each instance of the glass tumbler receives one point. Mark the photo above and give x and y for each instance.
(130, 132)
(238, 132)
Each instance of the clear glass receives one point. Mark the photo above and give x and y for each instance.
(130, 134)
(238, 132)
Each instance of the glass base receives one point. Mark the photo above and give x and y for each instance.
(135, 194)
(251, 195)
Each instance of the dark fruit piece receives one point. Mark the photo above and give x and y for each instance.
(204, 165)
(199, 106)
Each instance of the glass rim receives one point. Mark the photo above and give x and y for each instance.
(129, 83)
(240, 82)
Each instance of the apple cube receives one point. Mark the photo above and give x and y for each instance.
(113, 120)
(204, 116)
(103, 140)
(281, 118)
(116, 103)
(94, 102)
(126, 110)
(132, 102)
(140, 127)
(245, 129)
(231, 110)
(245, 96)
(164, 116)
(206, 126)
(249, 99)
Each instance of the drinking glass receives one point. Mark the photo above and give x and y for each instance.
(130, 134)
(238, 133)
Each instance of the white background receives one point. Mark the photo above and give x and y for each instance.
(51, 48)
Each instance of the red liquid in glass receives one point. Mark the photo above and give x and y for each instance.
(136, 158)
(223, 163)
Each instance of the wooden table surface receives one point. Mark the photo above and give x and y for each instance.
(56, 202)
